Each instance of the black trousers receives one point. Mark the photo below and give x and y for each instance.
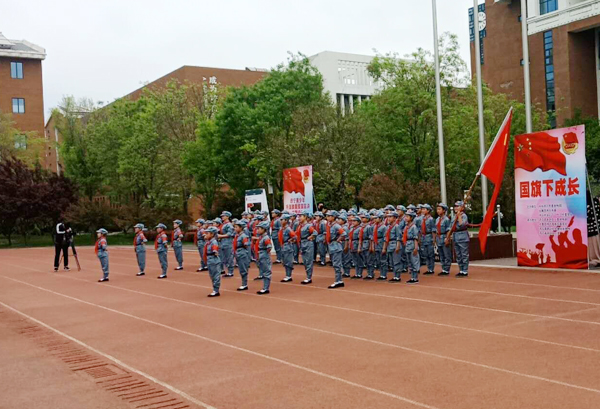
(64, 247)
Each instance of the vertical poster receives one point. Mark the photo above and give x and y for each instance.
(550, 182)
(256, 199)
(298, 189)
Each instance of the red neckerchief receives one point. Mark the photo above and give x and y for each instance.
(97, 246)
(281, 235)
(299, 233)
(376, 235)
(439, 225)
(328, 233)
(424, 224)
(405, 234)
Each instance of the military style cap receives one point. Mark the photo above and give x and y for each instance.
(226, 214)
(161, 226)
(102, 231)
(320, 214)
(139, 226)
(259, 217)
(218, 220)
(264, 225)
(411, 214)
(212, 230)
(276, 211)
(393, 214)
(402, 208)
(201, 221)
(443, 206)
(285, 217)
(342, 217)
(419, 206)
(307, 213)
(459, 203)
(427, 206)
(241, 223)
(411, 207)
(332, 213)
(389, 207)
(293, 214)
(245, 214)
(178, 222)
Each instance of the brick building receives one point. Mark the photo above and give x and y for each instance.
(563, 48)
(21, 90)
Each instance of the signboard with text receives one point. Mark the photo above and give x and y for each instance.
(550, 182)
(298, 189)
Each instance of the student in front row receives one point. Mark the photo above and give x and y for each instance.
(264, 256)
(139, 244)
(161, 245)
(410, 239)
(212, 260)
(241, 250)
(102, 253)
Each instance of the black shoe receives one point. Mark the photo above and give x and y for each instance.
(223, 273)
(462, 275)
(322, 264)
(197, 271)
(277, 261)
(55, 268)
(242, 288)
(395, 280)
(307, 281)
(103, 280)
(347, 275)
(228, 275)
(428, 273)
(355, 277)
(336, 285)
(162, 276)
(286, 279)
(412, 281)
(141, 273)
(368, 278)
(444, 273)
(405, 270)
(263, 292)
(204, 269)
(178, 268)
(258, 278)
(381, 278)
(214, 294)
(67, 268)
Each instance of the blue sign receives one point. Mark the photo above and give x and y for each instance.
(482, 33)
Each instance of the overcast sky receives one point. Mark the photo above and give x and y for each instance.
(105, 49)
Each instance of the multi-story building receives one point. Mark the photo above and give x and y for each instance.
(21, 91)
(564, 54)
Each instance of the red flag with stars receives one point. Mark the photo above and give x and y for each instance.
(493, 168)
(539, 151)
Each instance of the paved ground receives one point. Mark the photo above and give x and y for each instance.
(503, 338)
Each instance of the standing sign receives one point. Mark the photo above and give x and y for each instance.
(550, 182)
(298, 189)
(256, 200)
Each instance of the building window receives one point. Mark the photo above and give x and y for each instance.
(548, 6)
(549, 69)
(21, 142)
(16, 70)
(18, 105)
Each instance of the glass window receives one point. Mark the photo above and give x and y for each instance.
(548, 6)
(21, 142)
(16, 70)
(549, 67)
(18, 105)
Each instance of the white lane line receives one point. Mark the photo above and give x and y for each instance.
(112, 358)
(455, 327)
(248, 351)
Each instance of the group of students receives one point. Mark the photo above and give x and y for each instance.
(394, 239)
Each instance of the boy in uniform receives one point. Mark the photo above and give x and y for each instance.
(200, 242)
(294, 224)
(306, 235)
(102, 253)
(212, 260)
(177, 243)
(140, 248)
(392, 245)
(379, 231)
(354, 245)
(320, 226)
(410, 238)
(241, 250)
(346, 253)
(264, 256)
(460, 235)
(428, 239)
(225, 236)
(275, 227)
(161, 245)
(336, 237)
(442, 228)
(401, 210)
(287, 241)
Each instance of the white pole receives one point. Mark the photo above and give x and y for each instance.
(499, 219)
(438, 94)
(525, 37)
(484, 190)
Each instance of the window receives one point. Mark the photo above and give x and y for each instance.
(21, 142)
(549, 67)
(16, 70)
(18, 105)
(548, 6)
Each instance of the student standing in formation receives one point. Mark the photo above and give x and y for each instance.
(401, 210)
(287, 241)
(161, 245)
(102, 253)
(346, 252)
(460, 235)
(354, 246)
(217, 222)
(442, 228)
(427, 238)
(139, 245)
(199, 239)
(307, 235)
(335, 238)
(275, 227)
(177, 243)
(255, 242)
(211, 257)
(410, 238)
(379, 231)
(365, 247)
(392, 245)
(241, 250)
(264, 256)
(320, 227)
(226, 234)
(294, 224)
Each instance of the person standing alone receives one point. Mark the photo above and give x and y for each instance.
(61, 243)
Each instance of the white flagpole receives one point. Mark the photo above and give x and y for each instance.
(525, 37)
(438, 95)
(484, 186)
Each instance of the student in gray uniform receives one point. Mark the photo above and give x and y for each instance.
(200, 242)
(211, 256)
(307, 236)
(392, 245)
(410, 239)
(287, 241)
(275, 227)
(320, 226)
(379, 231)
(460, 236)
(337, 235)
(346, 253)
(401, 210)
(354, 244)
(294, 223)
(442, 226)
(225, 236)
(241, 249)
(365, 246)
(177, 243)
(264, 256)
(140, 248)
(102, 253)
(427, 238)
(161, 245)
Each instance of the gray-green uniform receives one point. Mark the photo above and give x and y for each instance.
(337, 237)
(241, 245)
(102, 253)
(211, 250)
(445, 252)
(265, 245)
(226, 245)
(287, 241)
(427, 230)
(379, 231)
(140, 249)
(307, 236)
(461, 239)
(393, 237)
(161, 245)
(177, 243)
(414, 260)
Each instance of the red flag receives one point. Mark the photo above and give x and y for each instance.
(493, 167)
(539, 151)
(293, 181)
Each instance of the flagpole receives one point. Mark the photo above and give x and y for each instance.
(484, 186)
(527, 79)
(438, 95)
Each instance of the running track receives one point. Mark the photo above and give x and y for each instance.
(503, 338)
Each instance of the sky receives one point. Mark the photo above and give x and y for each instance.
(103, 50)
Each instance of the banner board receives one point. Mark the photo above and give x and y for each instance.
(550, 199)
(256, 199)
(298, 189)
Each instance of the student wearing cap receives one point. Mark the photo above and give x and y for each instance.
(460, 236)
(287, 241)
(212, 260)
(140, 248)
(364, 248)
(427, 238)
(320, 227)
(401, 210)
(346, 253)
(294, 224)
(336, 237)
(410, 238)
(275, 227)
(255, 241)
(226, 234)
(264, 256)
(177, 243)
(102, 253)
(331, 217)
(307, 234)
(241, 250)
(392, 246)
(200, 242)
(161, 245)
(442, 225)
(354, 246)
(379, 231)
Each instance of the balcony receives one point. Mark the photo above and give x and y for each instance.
(568, 12)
